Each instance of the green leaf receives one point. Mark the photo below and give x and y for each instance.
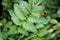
(11, 38)
(31, 3)
(33, 19)
(34, 3)
(30, 36)
(36, 38)
(43, 20)
(48, 36)
(38, 2)
(53, 21)
(22, 31)
(18, 12)
(24, 7)
(50, 30)
(36, 14)
(29, 27)
(3, 35)
(1, 38)
(4, 21)
(13, 30)
(37, 10)
(14, 18)
(8, 24)
(47, 26)
(48, 18)
(58, 12)
(38, 26)
(42, 32)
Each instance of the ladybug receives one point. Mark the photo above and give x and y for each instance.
(42, 14)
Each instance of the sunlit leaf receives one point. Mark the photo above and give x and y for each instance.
(13, 30)
(29, 27)
(18, 13)
(42, 32)
(24, 7)
(39, 26)
(14, 18)
(22, 31)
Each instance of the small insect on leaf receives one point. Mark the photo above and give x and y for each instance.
(42, 14)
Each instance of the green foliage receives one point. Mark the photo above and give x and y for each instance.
(22, 31)
(42, 32)
(26, 14)
(26, 22)
(29, 27)
(14, 17)
(18, 12)
(58, 13)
